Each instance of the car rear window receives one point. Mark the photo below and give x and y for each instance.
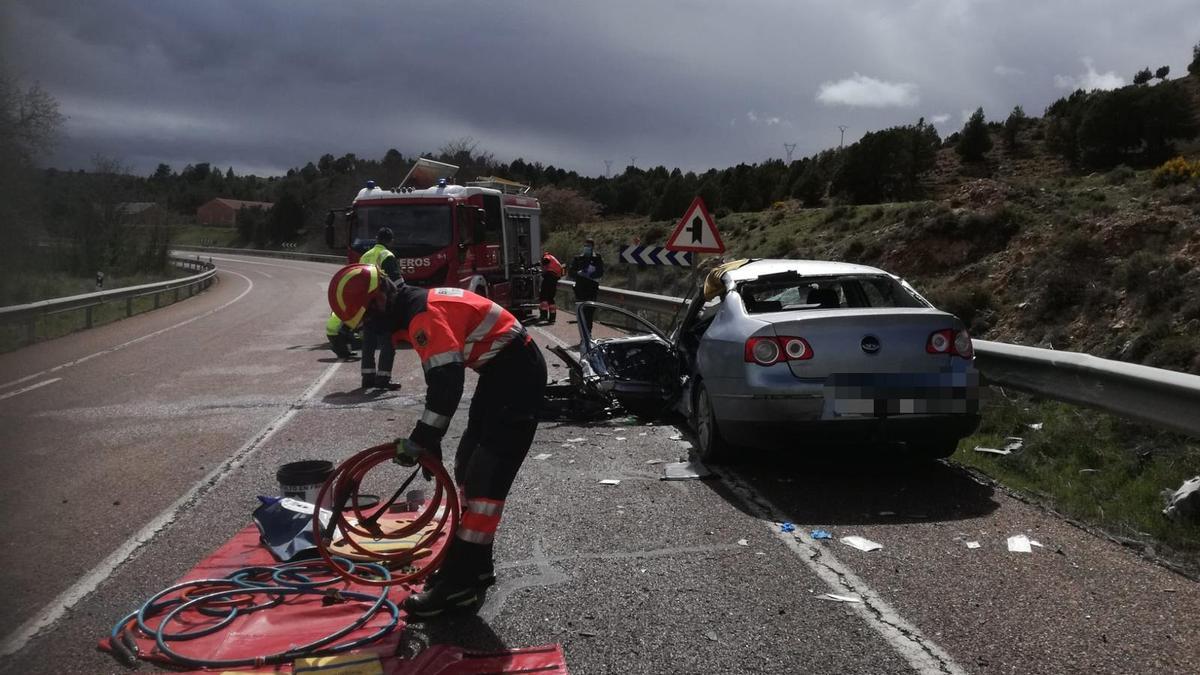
(793, 293)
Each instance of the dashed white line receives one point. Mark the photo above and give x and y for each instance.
(134, 341)
(54, 611)
(29, 388)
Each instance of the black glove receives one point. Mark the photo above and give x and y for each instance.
(408, 453)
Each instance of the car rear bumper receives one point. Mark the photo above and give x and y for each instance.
(905, 429)
(887, 407)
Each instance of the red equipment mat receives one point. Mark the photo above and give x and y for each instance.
(302, 619)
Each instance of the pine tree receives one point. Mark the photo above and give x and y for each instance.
(974, 141)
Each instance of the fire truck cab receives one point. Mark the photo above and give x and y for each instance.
(484, 236)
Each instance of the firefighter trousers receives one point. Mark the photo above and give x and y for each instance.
(376, 341)
(501, 422)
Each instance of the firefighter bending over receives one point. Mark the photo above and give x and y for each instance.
(552, 271)
(451, 330)
(378, 338)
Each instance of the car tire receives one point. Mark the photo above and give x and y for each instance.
(710, 446)
(934, 448)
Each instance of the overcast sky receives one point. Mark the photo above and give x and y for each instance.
(264, 86)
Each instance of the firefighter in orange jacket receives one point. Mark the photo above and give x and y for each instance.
(451, 330)
(552, 271)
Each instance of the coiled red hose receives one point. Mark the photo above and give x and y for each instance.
(348, 517)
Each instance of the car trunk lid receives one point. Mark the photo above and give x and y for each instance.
(890, 340)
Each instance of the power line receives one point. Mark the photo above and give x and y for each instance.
(607, 167)
(789, 148)
(633, 160)
(842, 128)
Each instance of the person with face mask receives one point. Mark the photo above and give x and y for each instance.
(586, 269)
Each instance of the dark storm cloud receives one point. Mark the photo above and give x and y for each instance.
(271, 85)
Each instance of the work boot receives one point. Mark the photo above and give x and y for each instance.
(383, 382)
(368, 381)
(553, 316)
(460, 584)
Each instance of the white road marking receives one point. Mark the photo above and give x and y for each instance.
(54, 611)
(29, 388)
(922, 654)
(134, 341)
(547, 334)
(264, 274)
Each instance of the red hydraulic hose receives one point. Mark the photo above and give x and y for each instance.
(348, 518)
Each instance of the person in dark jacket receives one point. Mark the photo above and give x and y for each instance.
(586, 269)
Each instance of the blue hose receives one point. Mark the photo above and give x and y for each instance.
(276, 583)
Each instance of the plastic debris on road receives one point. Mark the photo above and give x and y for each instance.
(677, 437)
(787, 527)
(1183, 504)
(655, 461)
(620, 438)
(992, 451)
(821, 534)
(861, 543)
(685, 471)
(838, 598)
(1019, 544)
(743, 542)
(541, 456)
(610, 481)
(972, 544)
(1014, 443)
(1036, 426)
(575, 440)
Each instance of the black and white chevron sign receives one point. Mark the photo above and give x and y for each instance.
(654, 255)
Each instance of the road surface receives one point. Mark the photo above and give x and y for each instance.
(132, 450)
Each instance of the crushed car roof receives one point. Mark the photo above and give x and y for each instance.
(760, 268)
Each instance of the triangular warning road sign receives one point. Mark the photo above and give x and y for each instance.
(696, 232)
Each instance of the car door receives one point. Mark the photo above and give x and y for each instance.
(628, 357)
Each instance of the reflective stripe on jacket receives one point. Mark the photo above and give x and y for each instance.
(458, 326)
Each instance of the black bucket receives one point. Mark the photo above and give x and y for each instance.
(303, 480)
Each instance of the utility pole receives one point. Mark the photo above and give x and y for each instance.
(789, 148)
(633, 160)
(607, 167)
(842, 128)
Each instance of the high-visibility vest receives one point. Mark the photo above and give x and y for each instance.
(551, 264)
(333, 325)
(376, 256)
(458, 326)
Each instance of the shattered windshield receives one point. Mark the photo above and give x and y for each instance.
(793, 293)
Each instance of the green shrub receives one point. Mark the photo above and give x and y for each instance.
(1119, 175)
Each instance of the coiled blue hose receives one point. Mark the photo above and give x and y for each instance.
(274, 582)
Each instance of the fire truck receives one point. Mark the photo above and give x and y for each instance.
(484, 236)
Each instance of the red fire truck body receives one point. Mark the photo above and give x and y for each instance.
(484, 236)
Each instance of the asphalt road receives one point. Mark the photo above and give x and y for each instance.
(136, 448)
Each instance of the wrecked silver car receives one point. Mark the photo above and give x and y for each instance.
(787, 353)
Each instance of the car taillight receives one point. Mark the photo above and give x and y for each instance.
(954, 343)
(766, 351)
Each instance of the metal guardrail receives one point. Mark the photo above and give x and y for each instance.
(287, 255)
(31, 313)
(1162, 398)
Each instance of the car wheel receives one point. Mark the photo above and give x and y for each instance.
(933, 448)
(710, 446)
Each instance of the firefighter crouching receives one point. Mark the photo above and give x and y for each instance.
(341, 338)
(451, 330)
(552, 271)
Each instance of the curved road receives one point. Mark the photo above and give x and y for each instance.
(132, 450)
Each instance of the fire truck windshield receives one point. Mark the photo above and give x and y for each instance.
(415, 226)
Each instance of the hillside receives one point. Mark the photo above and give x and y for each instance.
(1104, 263)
